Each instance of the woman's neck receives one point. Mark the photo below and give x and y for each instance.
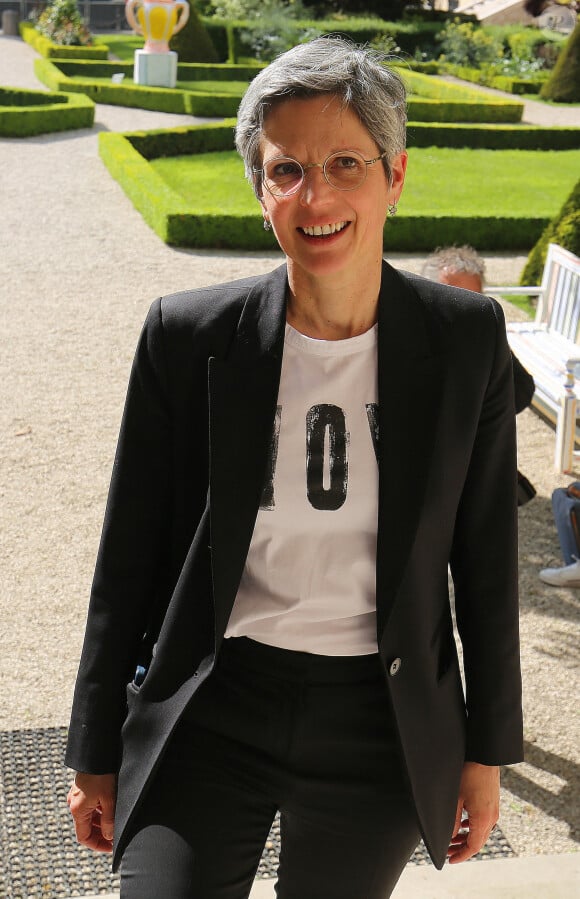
(334, 308)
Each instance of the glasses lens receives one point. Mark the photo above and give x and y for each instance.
(282, 175)
(345, 170)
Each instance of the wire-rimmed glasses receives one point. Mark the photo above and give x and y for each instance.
(283, 176)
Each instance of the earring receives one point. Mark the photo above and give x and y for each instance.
(392, 209)
(267, 225)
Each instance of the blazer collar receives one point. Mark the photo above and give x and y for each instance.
(243, 390)
(411, 377)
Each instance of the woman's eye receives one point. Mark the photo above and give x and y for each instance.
(285, 169)
(345, 162)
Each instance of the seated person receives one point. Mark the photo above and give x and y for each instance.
(464, 267)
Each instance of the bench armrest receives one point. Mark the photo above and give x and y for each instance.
(514, 291)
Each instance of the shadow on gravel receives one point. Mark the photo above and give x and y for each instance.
(564, 804)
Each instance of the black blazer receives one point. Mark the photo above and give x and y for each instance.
(185, 491)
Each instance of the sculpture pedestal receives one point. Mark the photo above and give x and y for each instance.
(155, 69)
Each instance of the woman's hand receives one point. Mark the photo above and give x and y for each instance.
(91, 800)
(479, 797)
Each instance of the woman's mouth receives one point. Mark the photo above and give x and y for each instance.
(323, 230)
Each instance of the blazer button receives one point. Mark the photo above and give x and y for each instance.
(395, 667)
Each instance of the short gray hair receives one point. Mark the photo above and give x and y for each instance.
(461, 260)
(332, 66)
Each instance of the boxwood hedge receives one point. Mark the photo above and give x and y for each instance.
(25, 112)
(444, 103)
(49, 50)
(127, 158)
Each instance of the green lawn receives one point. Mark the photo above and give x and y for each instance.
(440, 182)
(121, 45)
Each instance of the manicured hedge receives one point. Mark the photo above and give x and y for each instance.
(508, 83)
(464, 111)
(176, 100)
(187, 71)
(434, 100)
(422, 233)
(126, 156)
(184, 141)
(24, 113)
(450, 103)
(49, 50)
(493, 137)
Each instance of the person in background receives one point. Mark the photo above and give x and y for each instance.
(566, 509)
(303, 455)
(464, 267)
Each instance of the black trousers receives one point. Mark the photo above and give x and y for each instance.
(310, 736)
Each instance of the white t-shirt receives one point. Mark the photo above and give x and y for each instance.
(309, 579)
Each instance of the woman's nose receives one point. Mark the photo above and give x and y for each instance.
(314, 182)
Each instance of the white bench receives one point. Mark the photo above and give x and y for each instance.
(549, 347)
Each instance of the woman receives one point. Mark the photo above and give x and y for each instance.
(301, 457)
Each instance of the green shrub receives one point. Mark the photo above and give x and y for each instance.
(193, 43)
(563, 85)
(24, 113)
(411, 37)
(492, 137)
(462, 43)
(564, 229)
(218, 32)
(488, 76)
(463, 111)
(184, 141)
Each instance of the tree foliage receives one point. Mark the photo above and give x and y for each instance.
(193, 43)
(563, 230)
(563, 84)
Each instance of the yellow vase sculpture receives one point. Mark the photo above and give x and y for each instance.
(157, 21)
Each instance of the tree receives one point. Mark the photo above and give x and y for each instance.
(193, 43)
(563, 85)
(563, 230)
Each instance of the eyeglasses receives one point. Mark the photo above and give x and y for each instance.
(283, 176)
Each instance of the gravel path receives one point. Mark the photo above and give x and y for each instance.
(78, 270)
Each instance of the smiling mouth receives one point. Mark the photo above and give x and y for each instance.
(323, 230)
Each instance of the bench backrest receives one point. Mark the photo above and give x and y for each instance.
(559, 301)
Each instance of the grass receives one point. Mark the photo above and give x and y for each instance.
(498, 182)
(121, 45)
(208, 181)
(526, 304)
(440, 182)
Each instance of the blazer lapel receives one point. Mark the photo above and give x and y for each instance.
(243, 389)
(410, 383)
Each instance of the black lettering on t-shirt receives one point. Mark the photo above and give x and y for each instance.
(322, 419)
(268, 501)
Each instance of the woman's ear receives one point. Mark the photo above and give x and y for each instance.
(398, 166)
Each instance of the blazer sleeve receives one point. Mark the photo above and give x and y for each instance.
(523, 385)
(484, 567)
(132, 555)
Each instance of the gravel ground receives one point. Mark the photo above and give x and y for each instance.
(78, 270)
